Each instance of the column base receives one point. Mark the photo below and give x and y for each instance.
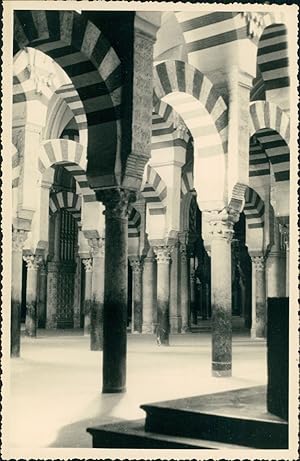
(221, 369)
(115, 390)
(185, 329)
(175, 325)
(147, 328)
(221, 373)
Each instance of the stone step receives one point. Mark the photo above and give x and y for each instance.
(236, 417)
(132, 434)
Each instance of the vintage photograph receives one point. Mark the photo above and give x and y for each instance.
(149, 219)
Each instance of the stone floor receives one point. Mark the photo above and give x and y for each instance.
(56, 384)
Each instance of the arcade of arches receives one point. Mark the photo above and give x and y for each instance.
(150, 176)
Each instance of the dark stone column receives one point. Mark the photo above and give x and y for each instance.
(148, 293)
(42, 296)
(163, 256)
(18, 239)
(258, 329)
(88, 266)
(32, 262)
(97, 298)
(137, 271)
(115, 288)
(221, 227)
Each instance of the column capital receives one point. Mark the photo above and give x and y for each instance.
(33, 261)
(221, 223)
(163, 253)
(258, 262)
(116, 201)
(19, 236)
(136, 264)
(181, 130)
(97, 246)
(88, 264)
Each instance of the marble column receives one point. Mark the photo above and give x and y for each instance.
(148, 294)
(184, 287)
(284, 231)
(88, 267)
(193, 313)
(259, 320)
(276, 265)
(42, 297)
(31, 320)
(18, 239)
(97, 298)
(175, 313)
(163, 258)
(137, 272)
(115, 288)
(221, 229)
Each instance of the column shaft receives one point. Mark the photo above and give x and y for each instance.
(184, 286)
(148, 295)
(192, 292)
(42, 300)
(16, 294)
(87, 295)
(115, 290)
(31, 295)
(163, 294)
(18, 240)
(137, 273)
(258, 329)
(96, 328)
(175, 314)
(221, 297)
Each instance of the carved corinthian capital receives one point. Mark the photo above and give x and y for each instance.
(88, 264)
(97, 246)
(33, 262)
(116, 202)
(19, 236)
(163, 254)
(258, 262)
(221, 223)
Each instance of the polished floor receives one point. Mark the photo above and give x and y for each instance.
(55, 387)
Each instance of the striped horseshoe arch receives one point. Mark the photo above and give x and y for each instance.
(272, 57)
(164, 128)
(71, 155)
(27, 87)
(67, 200)
(134, 222)
(270, 129)
(94, 68)
(254, 209)
(69, 94)
(154, 192)
(208, 29)
(184, 87)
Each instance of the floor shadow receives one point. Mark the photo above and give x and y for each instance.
(74, 435)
